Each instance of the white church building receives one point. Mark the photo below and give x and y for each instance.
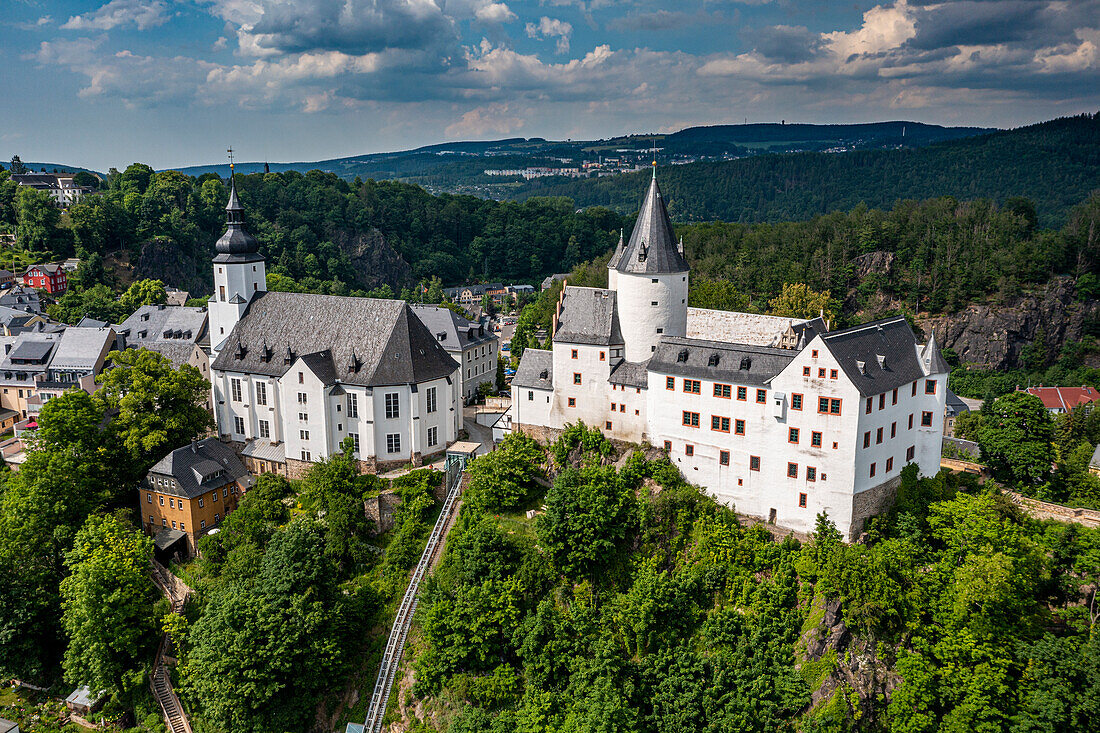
(293, 375)
(778, 417)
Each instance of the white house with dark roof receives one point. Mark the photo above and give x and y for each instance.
(778, 417)
(475, 347)
(293, 374)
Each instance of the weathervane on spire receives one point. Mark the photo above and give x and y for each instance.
(653, 152)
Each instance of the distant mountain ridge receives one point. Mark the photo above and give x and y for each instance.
(427, 163)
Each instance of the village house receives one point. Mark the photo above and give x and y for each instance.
(1059, 400)
(471, 344)
(192, 489)
(60, 186)
(50, 277)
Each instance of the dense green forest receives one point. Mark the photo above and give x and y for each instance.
(633, 602)
(1055, 164)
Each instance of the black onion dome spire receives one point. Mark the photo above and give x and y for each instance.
(652, 247)
(236, 245)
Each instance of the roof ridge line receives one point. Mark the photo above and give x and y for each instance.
(862, 327)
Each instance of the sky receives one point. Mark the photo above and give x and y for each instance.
(103, 83)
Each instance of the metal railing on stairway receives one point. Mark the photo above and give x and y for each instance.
(395, 644)
(160, 682)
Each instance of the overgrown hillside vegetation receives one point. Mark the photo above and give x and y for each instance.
(636, 603)
(1053, 163)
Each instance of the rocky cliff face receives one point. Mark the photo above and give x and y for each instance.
(376, 262)
(996, 335)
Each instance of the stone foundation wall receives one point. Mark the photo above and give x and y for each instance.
(540, 433)
(871, 503)
(380, 509)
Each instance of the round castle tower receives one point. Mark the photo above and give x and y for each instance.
(650, 276)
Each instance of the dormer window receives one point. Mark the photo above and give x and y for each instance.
(746, 363)
(682, 357)
(881, 361)
(713, 360)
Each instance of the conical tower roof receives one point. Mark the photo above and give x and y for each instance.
(614, 261)
(932, 359)
(236, 245)
(652, 248)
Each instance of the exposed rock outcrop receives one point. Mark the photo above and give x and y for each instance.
(164, 260)
(376, 262)
(996, 335)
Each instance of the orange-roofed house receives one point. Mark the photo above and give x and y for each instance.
(1064, 399)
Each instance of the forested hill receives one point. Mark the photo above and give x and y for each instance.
(1055, 164)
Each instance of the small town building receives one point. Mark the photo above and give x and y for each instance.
(83, 702)
(7, 278)
(50, 277)
(7, 726)
(21, 298)
(1059, 400)
(178, 333)
(192, 489)
(473, 345)
(176, 296)
(953, 407)
(60, 186)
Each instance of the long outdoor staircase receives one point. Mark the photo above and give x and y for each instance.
(170, 706)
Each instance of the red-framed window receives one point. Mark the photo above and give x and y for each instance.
(878, 436)
(668, 445)
(821, 372)
(742, 393)
(914, 389)
(719, 423)
(691, 386)
(910, 452)
(894, 398)
(576, 377)
(796, 401)
(805, 371)
(739, 427)
(889, 464)
(607, 425)
(894, 429)
(572, 401)
(815, 439)
(926, 419)
(873, 468)
(670, 382)
(811, 473)
(722, 391)
(724, 457)
(761, 396)
(691, 419)
(867, 439)
(814, 353)
(833, 374)
(792, 435)
(910, 421)
(792, 470)
(870, 404)
(828, 405)
(802, 500)
(754, 463)
(689, 450)
(614, 407)
(930, 386)
(574, 353)
(602, 356)
(882, 401)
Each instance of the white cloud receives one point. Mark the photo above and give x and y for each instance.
(552, 28)
(495, 13)
(116, 13)
(493, 119)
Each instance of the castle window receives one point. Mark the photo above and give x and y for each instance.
(878, 436)
(930, 386)
(353, 405)
(430, 398)
(691, 419)
(792, 435)
(261, 393)
(722, 390)
(796, 401)
(889, 465)
(821, 372)
(867, 439)
(754, 463)
(870, 404)
(914, 389)
(910, 452)
(742, 393)
(607, 425)
(689, 450)
(574, 353)
(393, 406)
(805, 371)
(724, 457)
(882, 401)
(393, 443)
(894, 398)
(670, 382)
(811, 473)
(668, 445)
(576, 378)
(926, 419)
(719, 423)
(235, 389)
(761, 396)
(238, 424)
(815, 439)
(832, 374)
(602, 356)
(739, 427)
(433, 437)
(814, 353)
(802, 501)
(265, 429)
(873, 469)
(691, 386)
(910, 421)
(572, 401)
(893, 430)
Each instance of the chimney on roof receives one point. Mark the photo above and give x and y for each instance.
(194, 446)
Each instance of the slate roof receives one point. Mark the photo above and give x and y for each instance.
(588, 316)
(1094, 462)
(178, 352)
(384, 338)
(200, 467)
(954, 405)
(21, 298)
(80, 348)
(236, 245)
(891, 339)
(264, 450)
(32, 349)
(630, 374)
(932, 358)
(652, 247)
(810, 329)
(166, 537)
(6, 726)
(451, 330)
(536, 370)
(164, 323)
(736, 363)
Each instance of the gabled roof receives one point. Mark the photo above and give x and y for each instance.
(81, 348)
(878, 356)
(652, 248)
(719, 361)
(201, 466)
(451, 330)
(1064, 398)
(373, 342)
(630, 374)
(588, 316)
(151, 324)
(536, 370)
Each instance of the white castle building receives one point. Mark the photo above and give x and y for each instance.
(293, 375)
(777, 417)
